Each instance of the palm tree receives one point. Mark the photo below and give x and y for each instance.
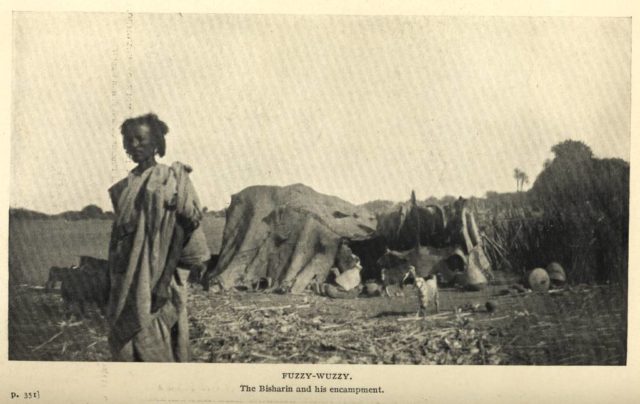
(517, 174)
(521, 179)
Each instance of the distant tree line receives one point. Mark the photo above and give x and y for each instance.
(88, 212)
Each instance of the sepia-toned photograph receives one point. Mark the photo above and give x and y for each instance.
(319, 189)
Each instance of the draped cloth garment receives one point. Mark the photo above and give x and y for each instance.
(147, 206)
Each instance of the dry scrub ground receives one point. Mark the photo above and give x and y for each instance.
(579, 326)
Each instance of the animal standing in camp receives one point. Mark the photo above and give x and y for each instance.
(82, 286)
(427, 289)
(394, 272)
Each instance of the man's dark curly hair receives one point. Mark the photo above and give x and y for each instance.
(158, 129)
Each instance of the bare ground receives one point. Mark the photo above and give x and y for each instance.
(580, 326)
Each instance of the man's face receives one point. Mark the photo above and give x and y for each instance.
(139, 144)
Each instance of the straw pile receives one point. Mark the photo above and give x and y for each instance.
(224, 330)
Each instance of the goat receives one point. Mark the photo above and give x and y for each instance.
(83, 286)
(427, 292)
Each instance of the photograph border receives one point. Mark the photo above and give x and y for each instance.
(216, 383)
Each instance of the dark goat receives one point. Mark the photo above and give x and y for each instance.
(87, 284)
(395, 270)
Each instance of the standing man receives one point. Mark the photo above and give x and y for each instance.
(157, 226)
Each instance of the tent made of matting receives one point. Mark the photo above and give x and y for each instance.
(286, 236)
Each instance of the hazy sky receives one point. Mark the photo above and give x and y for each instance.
(359, 107)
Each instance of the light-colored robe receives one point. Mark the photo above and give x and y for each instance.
(147, 205)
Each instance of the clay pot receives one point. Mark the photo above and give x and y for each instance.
(539, 280)
(556, 274)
